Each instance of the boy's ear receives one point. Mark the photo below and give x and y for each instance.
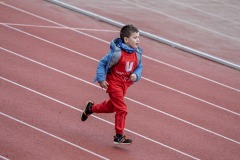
(125, 39)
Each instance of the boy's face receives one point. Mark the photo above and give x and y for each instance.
(133, 40)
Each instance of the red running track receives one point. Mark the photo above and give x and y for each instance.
(185, 107)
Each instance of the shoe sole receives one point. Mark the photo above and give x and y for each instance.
(116, 143)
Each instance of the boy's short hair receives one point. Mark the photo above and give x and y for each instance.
(127, 30)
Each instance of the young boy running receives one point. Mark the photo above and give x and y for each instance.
(116, 71)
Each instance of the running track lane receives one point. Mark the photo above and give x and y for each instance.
(45, 80)
(190, 112)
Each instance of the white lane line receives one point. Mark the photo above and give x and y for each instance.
(142, 104)
(88, 35)
(70, 106)
(191, 73)
(209, 103)
(191, 96)
(54, 136)
(57, 27)
(4, 158)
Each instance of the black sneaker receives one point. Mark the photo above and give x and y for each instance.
(87, 111)
(121, 139)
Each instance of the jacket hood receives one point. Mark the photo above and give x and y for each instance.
(119, 44)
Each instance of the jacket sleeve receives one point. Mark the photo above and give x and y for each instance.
(138, 70)
(102, 68)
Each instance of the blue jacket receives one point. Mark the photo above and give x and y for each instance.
(112, 58)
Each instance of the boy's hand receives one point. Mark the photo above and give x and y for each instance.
(103, 84)
(133, 77)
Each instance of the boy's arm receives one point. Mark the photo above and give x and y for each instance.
(102, 69)
(138, 71)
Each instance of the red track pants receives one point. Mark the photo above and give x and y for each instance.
(114, 104)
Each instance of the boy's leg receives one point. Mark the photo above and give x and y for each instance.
(104, 107)
(117, 100)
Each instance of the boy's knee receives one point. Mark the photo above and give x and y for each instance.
(122, 112)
